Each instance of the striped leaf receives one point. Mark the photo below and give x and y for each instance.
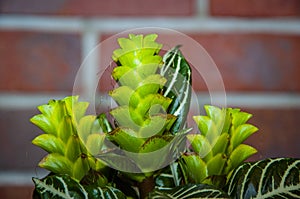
(62, 186)
(189, 191)
(269, 178)
(104, 123)
(178, 87)
(169, 177)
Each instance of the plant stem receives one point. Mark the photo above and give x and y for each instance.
(146, 186)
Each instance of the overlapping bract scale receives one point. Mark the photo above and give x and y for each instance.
(70, 138)
(141, 106)
(219, 148)
(143, 122)
(137, 50)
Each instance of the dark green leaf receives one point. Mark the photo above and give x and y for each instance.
(104, 193)
(104, 123)
(169, 177)
(178, 87)
(189, 191)
(64, 187)
(269, 178)
(58, 187)
(126, 186)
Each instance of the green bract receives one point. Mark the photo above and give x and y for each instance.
(143, 120)
(218, 149)
(70, 138)
(137, 50)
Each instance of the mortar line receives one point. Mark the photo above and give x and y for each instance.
(87, 73)
(24, 101)
(203, 8)
(208, 24)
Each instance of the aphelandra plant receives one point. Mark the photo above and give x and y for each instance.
(219, 148)
(145, 117)
(67, 139)
(91, 158)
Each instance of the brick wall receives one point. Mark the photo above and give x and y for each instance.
(254, 43)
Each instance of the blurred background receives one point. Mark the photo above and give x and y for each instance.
(254, 43)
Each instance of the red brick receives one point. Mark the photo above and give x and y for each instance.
(16, 192)
(254, 62)
(247, 62)
(278, 133)
(255, 8)
(106, 82)
(34, 61)
(17, 151)
(101, 7)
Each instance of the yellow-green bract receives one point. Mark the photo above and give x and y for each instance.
(143, 122)
(219, 148)
(70, 138)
